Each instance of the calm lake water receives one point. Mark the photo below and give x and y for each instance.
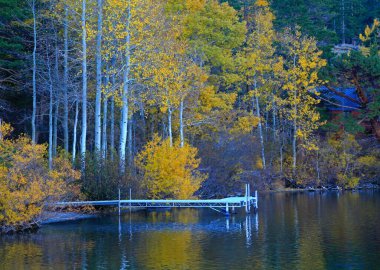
(306, 230)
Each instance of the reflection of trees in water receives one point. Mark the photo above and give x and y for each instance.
(184, 216)
(310, 249)
(37, 250)
(317, 230)
(349, 225)
(16, 254)
(168, 248)
(291, 231)
(167, 239)
(184, 239)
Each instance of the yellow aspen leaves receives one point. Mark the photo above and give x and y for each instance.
(169, 171)
(244, 124)
(26, 183)
(300, 78)
(368, 31)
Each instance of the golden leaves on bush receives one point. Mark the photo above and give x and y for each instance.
(26, 183)
(169, 171)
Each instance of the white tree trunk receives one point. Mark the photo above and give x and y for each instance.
(260, 132)
(294, 143)
(98, 79)
(105, 118)
(112, 133)
(123, 128)
(142, 117)
(65, 81)
(75, 131)
(112, 110)
(124, 109)
(130, 142)
(84, 88)
(295, 130)
(55, 126)
(181, 133)
(50, 149)
(282, 143)
(34, 72)
(170, 126)
(104, 129)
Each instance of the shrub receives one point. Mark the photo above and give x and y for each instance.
(169, 171)
(27, 184)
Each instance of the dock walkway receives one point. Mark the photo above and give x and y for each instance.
(224, 204)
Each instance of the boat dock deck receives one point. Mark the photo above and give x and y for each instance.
(225, 204)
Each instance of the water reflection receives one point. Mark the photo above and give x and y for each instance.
(290, 231)
(251, 224)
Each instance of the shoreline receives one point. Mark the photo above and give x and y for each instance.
(323, 189)
(55, 217)
(52, 217)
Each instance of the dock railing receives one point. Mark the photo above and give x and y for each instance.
(227, 205)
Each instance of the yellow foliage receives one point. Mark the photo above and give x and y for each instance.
(262, 3)
(195, 5)
(342, 144)
(368, 160)
(259, 164)
(370, 37)
(169, 171)
(244, 124)
(348, 181)
(368, 31)
(210, 99)
(26, 183)
(300, 75)
(256, 61)
(310, 147)
(343, 158)
(5, 129)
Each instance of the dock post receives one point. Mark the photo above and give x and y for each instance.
(256, 200)
(119, 202)
(130, 198)
(245, 195)
(247, 208)
(249, 198)
(227, 211)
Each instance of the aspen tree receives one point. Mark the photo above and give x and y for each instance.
(256, 61)
(98, 77)
(33, 7)
(65, 77)
(301, 66)
(84, 87)
(130, 25)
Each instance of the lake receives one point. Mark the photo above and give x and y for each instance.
(292, 230)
